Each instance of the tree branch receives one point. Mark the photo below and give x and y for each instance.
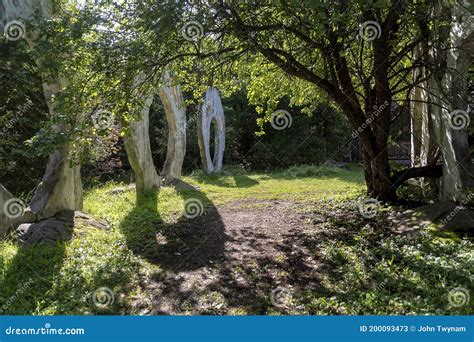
(431, 171)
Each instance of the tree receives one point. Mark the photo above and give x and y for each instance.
(358, 53)
(137, 141)
(450, 58)
(61, 186)
(175, 110)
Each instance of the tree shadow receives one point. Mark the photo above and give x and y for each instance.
(225, 181)
(347, 174)
(196, 239)
(26, 284)
(213, 269)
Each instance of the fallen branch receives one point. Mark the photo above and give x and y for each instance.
(430, 171)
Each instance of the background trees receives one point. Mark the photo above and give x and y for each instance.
(359, 56)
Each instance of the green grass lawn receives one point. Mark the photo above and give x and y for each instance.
(364, 268)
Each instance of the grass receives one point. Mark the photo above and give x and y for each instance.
(366, 269)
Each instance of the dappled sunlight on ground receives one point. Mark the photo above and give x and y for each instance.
(245, 244)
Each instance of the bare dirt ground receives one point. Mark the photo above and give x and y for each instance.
(242, 257)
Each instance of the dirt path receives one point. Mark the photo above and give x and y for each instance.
(242, 257)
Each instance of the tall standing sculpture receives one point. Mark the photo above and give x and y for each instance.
(61, 186)
(175, 109)
(137, 141)
(441, 113)
(211, 116)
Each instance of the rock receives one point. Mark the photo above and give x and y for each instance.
(44, 232)
(57, 228)
(5, 221)
(460, 219)
(88, 221)
(120, 190)
(414, 219)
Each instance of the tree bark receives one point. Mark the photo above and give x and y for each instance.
(423, 144)
(175, 110)
(137, 143)
(61, 186)
(448, 90)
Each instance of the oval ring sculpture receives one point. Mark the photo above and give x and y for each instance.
(211, 114)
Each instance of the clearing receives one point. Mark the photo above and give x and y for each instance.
(292, 242)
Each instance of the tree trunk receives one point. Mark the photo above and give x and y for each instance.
(61, 186)
(422, 133)
(449, 96)
(423, 143)
(175, 110)
(137, 143)
(377, 175)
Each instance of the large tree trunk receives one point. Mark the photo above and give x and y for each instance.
(175, 110)
(423, 144)
(449, 94)
(377, 174)
(137, 143)
(61, 186)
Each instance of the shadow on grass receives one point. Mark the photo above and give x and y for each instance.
(187, 244)
(27, 283)
(351, 174)
(192, 254)
(223, 180)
